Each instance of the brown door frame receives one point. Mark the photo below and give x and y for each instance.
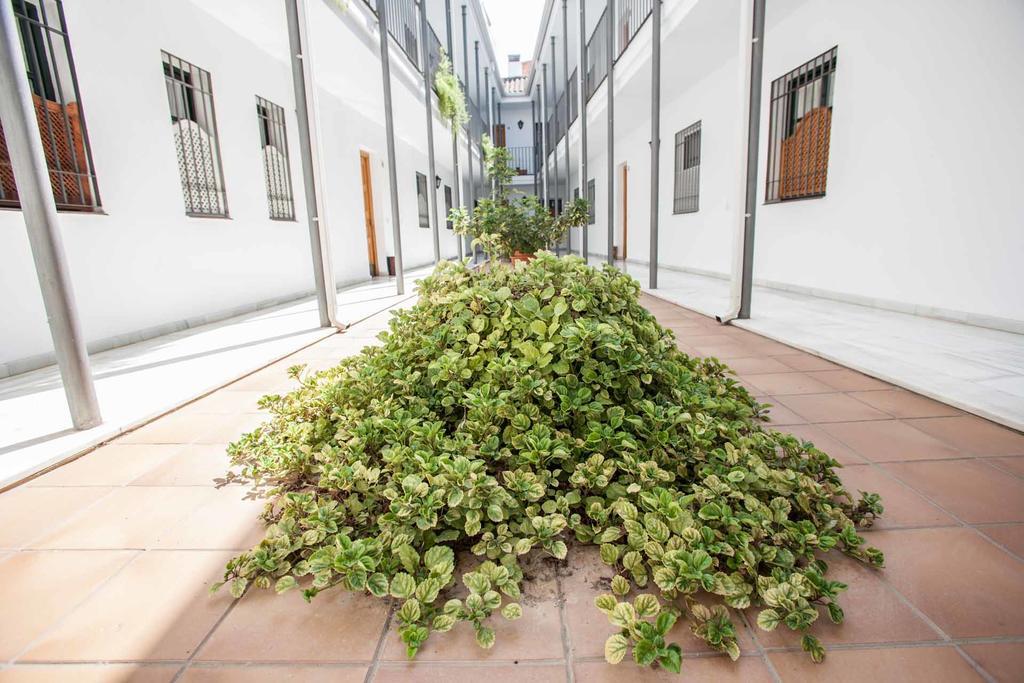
(368, 214)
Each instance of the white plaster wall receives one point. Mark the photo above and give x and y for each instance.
(925, 162)
(142, 264)
(921, 211)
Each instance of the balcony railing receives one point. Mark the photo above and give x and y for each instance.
(632, 15)
(597, 56)
(402, 23)
(574, 97)
(522, 160)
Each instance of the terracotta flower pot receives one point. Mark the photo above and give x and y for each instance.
(520, 257)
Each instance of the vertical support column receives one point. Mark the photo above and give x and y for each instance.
(457, 180)
(480, 146)
(389, 129)
(490, 114)
(582, 72)
(544, 130)
(611, 130)
(753, 135)
(476, 66)
(305, 113)
(655, 138)
(554, 142)
(428, 88)
(469, 132)
(28, 161)
(568, 117)
(533, 138)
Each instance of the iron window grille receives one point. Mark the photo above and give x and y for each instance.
(686, 197)
(50, 70)
(800, 127)
(274, 148)
(421, 200)
(448, 208)
(591, 202)
(194, 125)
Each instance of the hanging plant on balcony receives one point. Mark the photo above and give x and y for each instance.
(519, 414)
(513, 227)
(450, 99)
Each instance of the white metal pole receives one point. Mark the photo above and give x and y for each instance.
(655, 139)
(305, 114)
(17, 112)
(610, 18)
(389, 130)
(582, 72)
(428, 88)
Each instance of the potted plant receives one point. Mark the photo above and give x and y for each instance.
(513, 227)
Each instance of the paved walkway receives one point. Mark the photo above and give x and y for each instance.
(974, 368)
(105, 562)
(138, 382)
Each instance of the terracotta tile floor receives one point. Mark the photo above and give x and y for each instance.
(105, 562)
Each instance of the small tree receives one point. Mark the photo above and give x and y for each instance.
(504, 225)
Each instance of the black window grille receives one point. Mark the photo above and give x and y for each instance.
(50, 69)
(448, 208)
(591, 202)
(800, 127)
(276, 171)
(421, 200)
(686, 198)
(194, 126)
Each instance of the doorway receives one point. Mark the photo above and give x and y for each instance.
(622, 234)
(371, 223)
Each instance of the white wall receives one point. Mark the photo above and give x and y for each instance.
(921, 211)
(142, 266)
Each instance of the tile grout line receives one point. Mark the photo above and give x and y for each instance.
(570, 674)
(206, 638)
(760, 649)
(919, 613)
(371, 672)
(95, 591)
(878, 467)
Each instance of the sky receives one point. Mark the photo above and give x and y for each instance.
(514, 26)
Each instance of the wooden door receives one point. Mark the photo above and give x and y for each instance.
(499, 135)
(371, 224)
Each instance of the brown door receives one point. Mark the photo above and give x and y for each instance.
(625, 211)
(371, 225)
(499, 135)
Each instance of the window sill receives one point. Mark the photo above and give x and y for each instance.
(220, 216)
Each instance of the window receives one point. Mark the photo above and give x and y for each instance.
(194, 125)
(421, 199)
(591, 202)
(274, 146)
(448, 208)
(800, 125)
(686, 198)
(50, 69)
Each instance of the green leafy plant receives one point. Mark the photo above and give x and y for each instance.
(450, 99)
(504, 225)
(529, 410)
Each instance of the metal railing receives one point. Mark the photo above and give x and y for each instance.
(522, 160)
(574, 97)
(632, 15)
(597, 56)
(477, 125)
(402, 25)
(433, 52)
